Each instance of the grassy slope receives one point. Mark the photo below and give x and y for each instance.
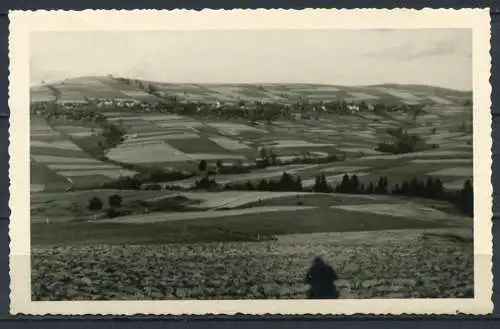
(235, 228)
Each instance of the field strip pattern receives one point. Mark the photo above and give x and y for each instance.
(454, 171)
(164, 217)
(408, 210)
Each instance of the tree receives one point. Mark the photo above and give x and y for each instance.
(466, 198)
(370, 189)
(382, 186)
(249, 186)
(429, 188)
(95, 204)
(273, 157)
(115, 201)
(299, 184)
(321, 184)
(219, 165)
(287, 183)
(353, 184)
(202, 167)
(263, 185)
(343, 187)
(438, 188)
(405, 188)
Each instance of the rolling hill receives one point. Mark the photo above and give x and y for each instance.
(81, 89)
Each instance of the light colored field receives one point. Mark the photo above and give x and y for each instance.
(211, 156)
(36, 188)
(440, 100)
(428, 117)
(454, 185)
(126, 118)
(76, 97)
(322, 131)
(364, 150)
(184, 124)
(229, 144)
(162, 137)
(454, 171)
(147, 153)
(413, 155)
(362, 96)
(83, 134)
(59, 159)
(42, 96)
(46, 133)
(153, 133)
(228, 92)
(232, 199)
(408, 210)
(233, 128)
(163, 117)
(399, 94)
(60, 144)
(82, 166)
(343, 169)
(307, 88)
(164, 217)
(297, 143)
(135, 93)
(111, 173)
(367, 134)
(439, 161)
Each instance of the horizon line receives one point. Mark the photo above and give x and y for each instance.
(244, 83)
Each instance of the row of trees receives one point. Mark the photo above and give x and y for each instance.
(430, 188)
(114, 203)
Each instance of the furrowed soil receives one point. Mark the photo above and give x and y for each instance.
(390, 264)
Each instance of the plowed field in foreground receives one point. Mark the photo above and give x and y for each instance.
(391, 264)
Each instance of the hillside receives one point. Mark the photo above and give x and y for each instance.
(63, 152)
(84, 88)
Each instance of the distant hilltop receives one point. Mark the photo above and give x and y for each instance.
(83, 89)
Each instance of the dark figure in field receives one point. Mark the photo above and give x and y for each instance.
(321, 277)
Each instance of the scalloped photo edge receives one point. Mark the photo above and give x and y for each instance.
(25, 23)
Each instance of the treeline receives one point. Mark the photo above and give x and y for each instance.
(430, 188)
(153, 177)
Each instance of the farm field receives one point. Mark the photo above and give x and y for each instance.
(175, 141)
(391, 264)
(57, 163)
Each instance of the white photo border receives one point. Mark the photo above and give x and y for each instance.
(24, 22)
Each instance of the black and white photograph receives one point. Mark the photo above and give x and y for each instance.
(255, 164)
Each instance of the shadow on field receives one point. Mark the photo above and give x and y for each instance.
(321, 277)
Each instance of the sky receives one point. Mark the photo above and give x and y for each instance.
(437, 57)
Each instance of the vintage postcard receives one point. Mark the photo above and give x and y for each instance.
(250, 161)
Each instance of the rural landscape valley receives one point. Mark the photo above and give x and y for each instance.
(148, 190)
